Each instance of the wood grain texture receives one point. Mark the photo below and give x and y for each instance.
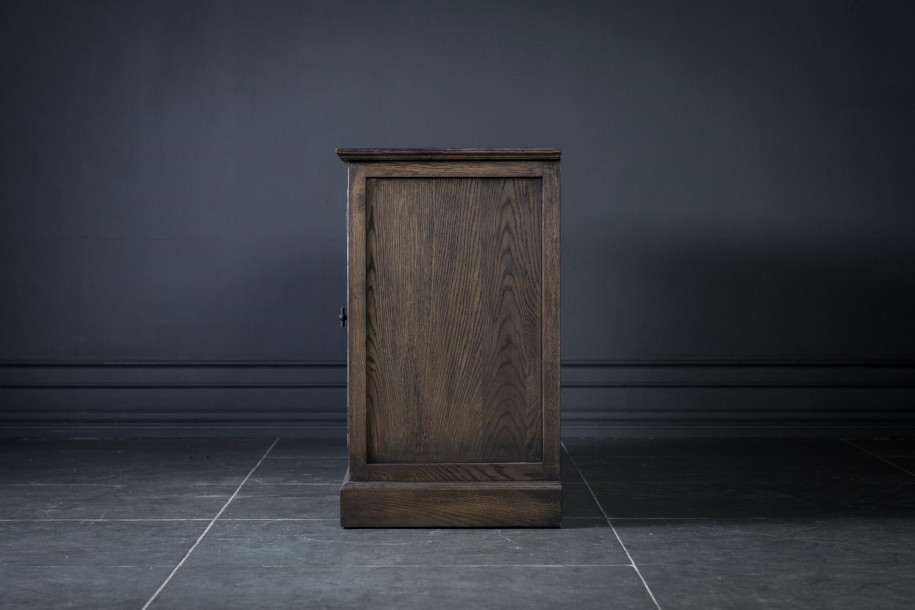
(453, 320)
(454, 347)
(448, 154)
(456, 471)
(376, 504)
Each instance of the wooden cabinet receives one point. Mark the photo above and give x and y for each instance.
(453, 360)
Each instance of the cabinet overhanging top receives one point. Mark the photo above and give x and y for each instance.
(448, 154)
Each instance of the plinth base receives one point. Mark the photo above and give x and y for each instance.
(447, 504)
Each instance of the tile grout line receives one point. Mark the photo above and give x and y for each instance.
(281, 519)
(153, 520)
(91, 520)
(295, 484)
(492, 565)
(308, 457)
(208, 527)
(878, 457)
(666, 518)
(613, 529)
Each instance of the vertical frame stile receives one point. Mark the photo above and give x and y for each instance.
(551, 371)
(356, 294)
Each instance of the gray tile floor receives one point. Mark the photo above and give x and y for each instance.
(646, 524)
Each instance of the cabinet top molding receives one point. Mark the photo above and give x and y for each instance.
(448, 154)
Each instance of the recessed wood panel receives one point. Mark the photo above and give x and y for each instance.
(453, 320)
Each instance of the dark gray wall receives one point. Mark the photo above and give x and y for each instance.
(738, 203)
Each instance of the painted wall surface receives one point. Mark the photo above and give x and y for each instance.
(738, 202)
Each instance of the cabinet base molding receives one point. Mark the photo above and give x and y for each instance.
(445, 504)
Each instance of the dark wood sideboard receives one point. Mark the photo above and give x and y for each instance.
(453, 347)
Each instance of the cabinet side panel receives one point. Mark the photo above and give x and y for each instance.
(453, 320)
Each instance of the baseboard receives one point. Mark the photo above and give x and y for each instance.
(711, 398)
(677, 398)
(133, 399)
